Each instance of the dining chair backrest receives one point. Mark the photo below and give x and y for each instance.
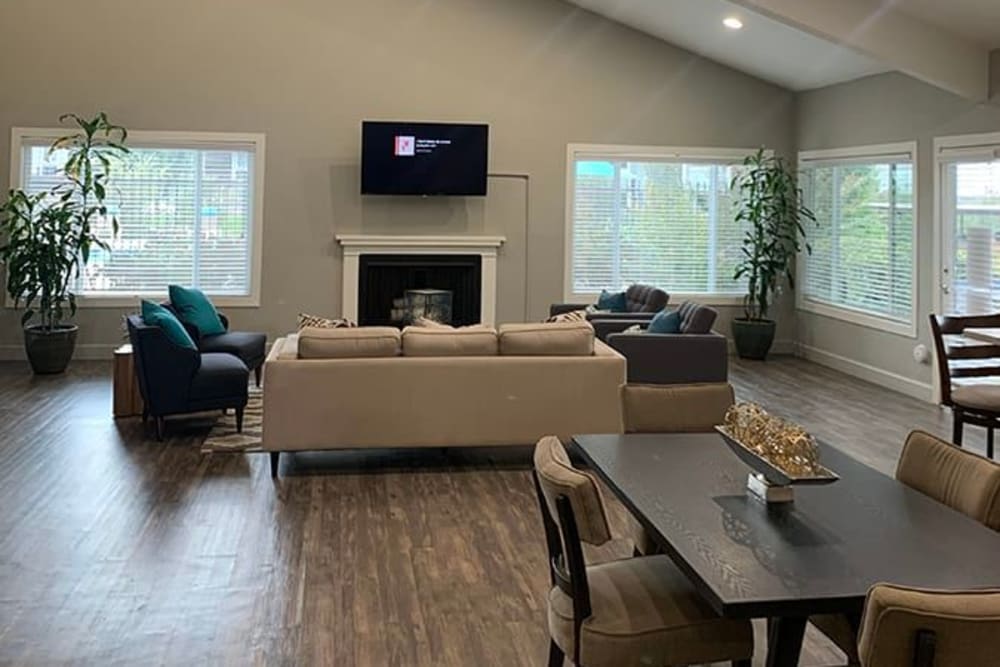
(959, 358)
(958, 478)
(905, 627)
(675, 408)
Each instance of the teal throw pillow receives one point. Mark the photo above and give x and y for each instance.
(156, 315)
(665, 323)
(613, 302)
(194, 308)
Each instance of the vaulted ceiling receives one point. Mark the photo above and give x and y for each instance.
(803, 44)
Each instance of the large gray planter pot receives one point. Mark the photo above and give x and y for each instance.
(753, 338)
(49, 350)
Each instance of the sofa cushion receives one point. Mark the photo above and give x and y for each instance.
(645, 299)
(695, 318)
(247, 345)
(347, 343)
(549, 339)
(475, 341)
(220, 375)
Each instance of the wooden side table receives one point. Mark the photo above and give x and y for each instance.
(127, 399)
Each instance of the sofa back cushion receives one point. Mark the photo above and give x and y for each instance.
(475, 341)
(645, 299)
(696, 318)
(564, 339)
(348, 343)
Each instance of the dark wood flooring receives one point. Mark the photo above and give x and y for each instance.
(116, 549)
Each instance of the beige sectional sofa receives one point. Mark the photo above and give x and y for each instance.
(422, 387)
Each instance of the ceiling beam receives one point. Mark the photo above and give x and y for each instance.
(905, 43)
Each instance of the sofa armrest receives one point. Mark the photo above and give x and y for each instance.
(673, 358)
(562, 308)
(604, 328)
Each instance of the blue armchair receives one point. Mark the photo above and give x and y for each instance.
(249, 346)
(177, 380)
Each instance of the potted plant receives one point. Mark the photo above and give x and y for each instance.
(770, 203)
(47, 238)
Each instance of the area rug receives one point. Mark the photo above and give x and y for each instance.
(223, 436)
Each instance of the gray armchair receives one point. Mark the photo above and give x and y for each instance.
(641, 302)
(697, 354)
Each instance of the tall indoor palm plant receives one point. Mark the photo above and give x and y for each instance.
(770, 204)
(47, 237)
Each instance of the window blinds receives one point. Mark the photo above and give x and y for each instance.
(863, 242)
(185, 215)
(663, 222)
(971, 210)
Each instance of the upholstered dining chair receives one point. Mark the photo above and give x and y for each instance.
(637, 611)
(955, 477)
(964, 368)
(678, 408)
(905, 627)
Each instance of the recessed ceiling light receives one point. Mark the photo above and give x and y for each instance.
(732, 23)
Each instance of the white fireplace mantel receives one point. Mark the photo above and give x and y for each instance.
(355, 245)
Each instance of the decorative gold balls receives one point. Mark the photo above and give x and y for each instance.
(783, 444)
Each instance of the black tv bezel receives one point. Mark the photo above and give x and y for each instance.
(425, 193)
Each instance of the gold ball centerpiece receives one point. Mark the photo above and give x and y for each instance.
(783, 444)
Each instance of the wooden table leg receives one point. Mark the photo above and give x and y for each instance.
(784, 641)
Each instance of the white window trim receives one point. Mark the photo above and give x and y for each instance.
(147, 138)
(675, 153)
(874, 153)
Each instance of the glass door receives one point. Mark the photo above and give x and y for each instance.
(970, 215)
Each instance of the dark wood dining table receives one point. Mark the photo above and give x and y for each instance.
(818, 554)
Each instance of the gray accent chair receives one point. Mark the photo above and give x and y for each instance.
(641, 302)
(696, 354)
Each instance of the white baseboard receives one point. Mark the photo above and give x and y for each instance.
(873, 374)
(83, 352)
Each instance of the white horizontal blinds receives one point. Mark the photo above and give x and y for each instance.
(662, 222)
(972, 207)
(862, 244)
(185, 216)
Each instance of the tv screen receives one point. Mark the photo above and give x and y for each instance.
(423, 158)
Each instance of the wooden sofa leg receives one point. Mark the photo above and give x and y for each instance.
(957, 427)
(159, 428)
(239, 420)
(256, 375)
(275, 457)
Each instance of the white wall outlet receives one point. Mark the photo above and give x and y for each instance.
(921, 354)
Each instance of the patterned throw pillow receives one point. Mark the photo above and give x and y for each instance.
(306, 320)
(573, 316)
(428, 323)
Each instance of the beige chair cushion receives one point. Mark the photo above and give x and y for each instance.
(977, 397)
(646, 612)
(448, 342)
(547, 339)
(958, 478)
(675, 408)
(966, 625)
(558, 477)
(348, 343)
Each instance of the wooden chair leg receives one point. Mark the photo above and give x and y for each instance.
(989, 442)
(239, 420)
(556, 655)
(743, 663)
(160, 425)
(957, 426)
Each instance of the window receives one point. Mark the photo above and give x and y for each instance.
(652, 215)
(189, 209)
(862, 264)
(970, 223)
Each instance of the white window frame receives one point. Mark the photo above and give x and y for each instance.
(167, 139)
(618, 151)
(870, 153)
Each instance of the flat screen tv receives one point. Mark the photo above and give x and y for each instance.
(424, 158)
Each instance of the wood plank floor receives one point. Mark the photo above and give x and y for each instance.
(119, 550)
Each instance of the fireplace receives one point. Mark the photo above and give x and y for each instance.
(385, 280)
(433, 253)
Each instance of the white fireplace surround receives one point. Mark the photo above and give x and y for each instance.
(355, 245)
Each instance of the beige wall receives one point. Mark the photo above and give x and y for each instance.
(306, 72)
(875, 110)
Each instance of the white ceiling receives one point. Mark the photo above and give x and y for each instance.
(978, 20)
(764, 47)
